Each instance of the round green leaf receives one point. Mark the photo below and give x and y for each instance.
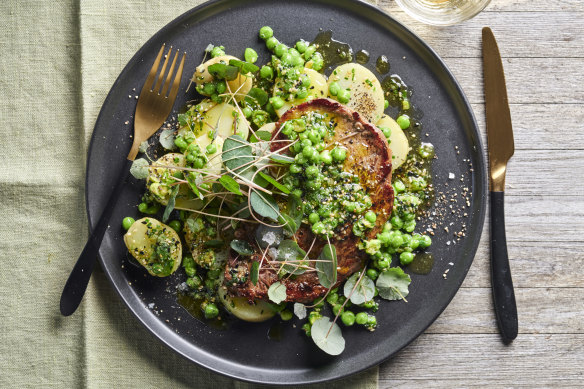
(331, 342)
(277, 292)
(365, 290)
(393, 284)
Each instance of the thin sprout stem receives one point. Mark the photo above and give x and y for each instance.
(213, 215)
(345, 303)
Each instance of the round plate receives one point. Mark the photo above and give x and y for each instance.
(244, 351)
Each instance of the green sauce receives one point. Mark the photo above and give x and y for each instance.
(382, 64)
(333, 51)
(422, 263)
(362, 57)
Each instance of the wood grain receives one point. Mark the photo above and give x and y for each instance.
(542, 44)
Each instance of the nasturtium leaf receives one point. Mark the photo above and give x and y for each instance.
(237, 152)
(273, 181)
(143, 147)
(277, 292)
(326, 266)
(365, 290)
(289, 251)
(166, 139)
(222, 71)
(264, 205)
(257, 95)
(393, 284)
(170, 204)
(242, 247)
(139, 168)
(255, 272)
(230, 184)
(300, 310)
(330, 340)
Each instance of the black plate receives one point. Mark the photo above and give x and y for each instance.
(244, 351)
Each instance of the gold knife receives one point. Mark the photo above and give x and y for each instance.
(501, 148)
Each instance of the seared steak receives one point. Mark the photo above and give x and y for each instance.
(369, 157)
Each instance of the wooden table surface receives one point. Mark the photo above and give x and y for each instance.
(542, 45)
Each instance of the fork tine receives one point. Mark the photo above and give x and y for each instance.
(176, 82)
(152, 74)
(169, 76)
(162, 72)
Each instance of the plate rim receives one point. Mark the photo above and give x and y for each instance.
(480, 179)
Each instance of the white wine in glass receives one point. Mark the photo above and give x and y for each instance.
(442, 12)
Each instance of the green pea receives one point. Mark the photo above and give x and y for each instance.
(318, 227)
(271, 43)
(305, 141)
(406, 258)
(313, 218)
(294, 168)
(142, 207)
(337, 309)
(300, 159)
(277, 102)
(405, 105)
(395, 239)
(306, 327)
(325, 157)
(301, 46)
(209, 88)
(348, 318)
(217, 51)
(339, 154)
(287, 60)
(180, 142)
(371, 321)
(280, 50)
(317, 61)
(286, 315)
(250, 55)
(410, 225)
(312, 171)
(385, 104)
(297, 193)
(308, 151)
(313, 136)
(397, 222)
(211, 311)
(310, 50)
(372, 273)
(194, 282)
(302, 94)
(267, 72)
(199, 163)
(175, 225)
(247, 112)
(211, 148)
(418, 184)
(386, 131)
(221, 86)
(127, 223)
(403, 121)
(425, 241)
(305, 80)
(370, 216)
(332, 298)
(266, 32)
(399, 186)
(361, 318)
(334, 88)
(344, 96)
(383, 263)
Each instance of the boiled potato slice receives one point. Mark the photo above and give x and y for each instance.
(226, 120)
(214, 165)
(269, 127)
(155, 246)
(317, 89)
(198, 115)
(242, 309)
(366, 93)
(241, 85)
(398, 142)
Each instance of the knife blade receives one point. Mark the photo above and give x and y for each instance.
(500, 148)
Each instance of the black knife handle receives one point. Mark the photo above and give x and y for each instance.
(503, 295)
(79, 278)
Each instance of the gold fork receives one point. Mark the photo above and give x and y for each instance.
(153, 107)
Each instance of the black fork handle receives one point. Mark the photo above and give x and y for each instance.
(79, 278)
(502, 284)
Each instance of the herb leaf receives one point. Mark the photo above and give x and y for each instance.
(230, 184)
(242, 247)
(139, 168)
(170, 204)
(330, 340)
(222, 71)
(244, 67)
(327, 270)
(284, 159)
(255, 272)
(365, 290)
(192, 179)
(277, 292)
(260, 135)
(290, 251)
(393, 284)
(214, 243)
(257, 95)
(272, 181)
(300, 310)
(236, 152)
(264, 205)
(166, 139)
(293, 215)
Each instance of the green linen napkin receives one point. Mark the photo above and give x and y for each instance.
(60, 60)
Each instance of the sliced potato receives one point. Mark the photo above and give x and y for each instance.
(366, 92)
(269, 127)
(398, 142)
(242, 309)
(160, 179)
(198, 115)
(155, 246)
(214, 165)
(226, 120)
(317, 89)
(241, 85)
